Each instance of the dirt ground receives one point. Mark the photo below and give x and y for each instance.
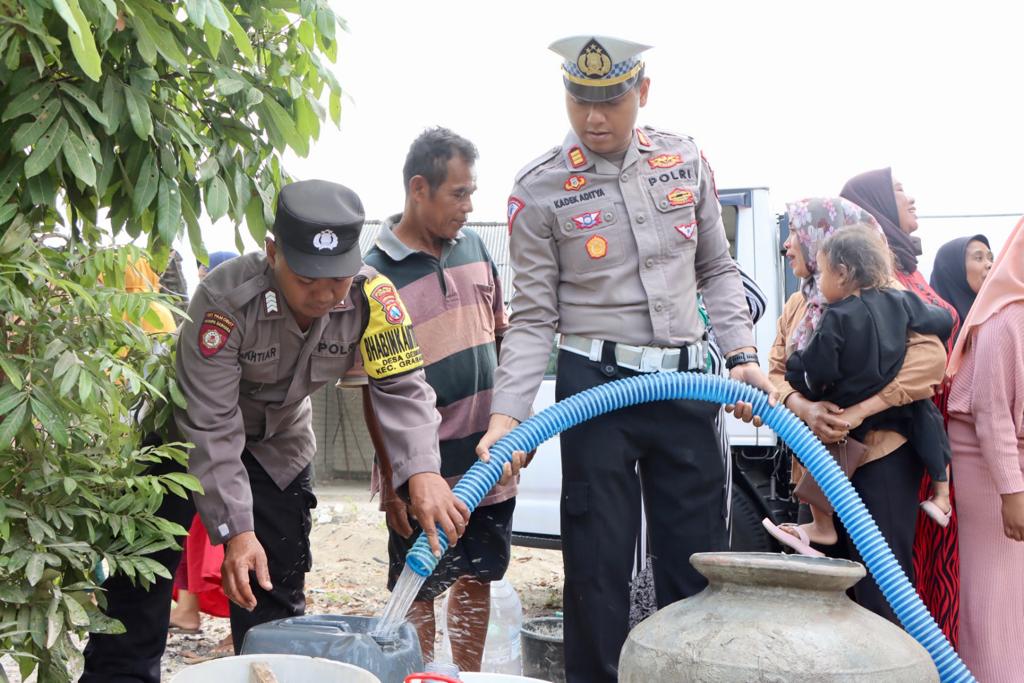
(349, 543)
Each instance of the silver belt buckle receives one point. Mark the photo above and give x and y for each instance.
(651, 359)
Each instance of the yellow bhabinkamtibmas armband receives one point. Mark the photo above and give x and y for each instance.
(388, 346)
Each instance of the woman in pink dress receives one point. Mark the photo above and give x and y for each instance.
(986, 431)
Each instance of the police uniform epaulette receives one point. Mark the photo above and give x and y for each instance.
(658, 133)
(543, 158)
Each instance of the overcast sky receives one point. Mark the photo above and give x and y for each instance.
(795, 96)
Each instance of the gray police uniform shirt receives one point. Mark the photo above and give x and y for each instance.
(616, 254)
(247, 371)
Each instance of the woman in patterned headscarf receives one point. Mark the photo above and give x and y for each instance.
(936, 557)
(888, 477)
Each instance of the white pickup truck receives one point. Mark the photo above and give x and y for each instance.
(760, 464)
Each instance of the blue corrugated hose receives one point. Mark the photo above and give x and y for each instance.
(859, 525)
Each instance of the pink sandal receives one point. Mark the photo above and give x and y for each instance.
(798, 542)
(936, 513)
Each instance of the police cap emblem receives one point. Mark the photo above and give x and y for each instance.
(325, 240)
(593, 60)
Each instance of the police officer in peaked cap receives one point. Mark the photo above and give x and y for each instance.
(612, 234)
(266, 330)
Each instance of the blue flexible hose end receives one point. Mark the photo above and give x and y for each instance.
(859, 524)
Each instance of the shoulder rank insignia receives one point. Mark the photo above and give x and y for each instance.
(270, 302)
(665, 161)
(214, 332)
(642, 138)
(576, 158)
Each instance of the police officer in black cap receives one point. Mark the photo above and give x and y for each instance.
(265, 332)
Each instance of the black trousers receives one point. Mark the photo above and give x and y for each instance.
(282, 522)
(675, 448)
(889, 487)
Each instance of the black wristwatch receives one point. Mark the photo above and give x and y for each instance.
(741, 358)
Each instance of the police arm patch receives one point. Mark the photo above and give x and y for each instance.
(515, 205)
(388, 346)
(214, 332)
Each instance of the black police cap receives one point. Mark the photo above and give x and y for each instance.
(317, 227)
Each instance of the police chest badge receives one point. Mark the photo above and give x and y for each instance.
(214, 332)
(687, 230)
(665, 161)
(587, 220)
(574, 183)
(680, 196)
(597, 247)
(325, 240)
(387, 297)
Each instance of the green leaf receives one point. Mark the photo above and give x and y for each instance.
(208, 169)
(113, 105)
(28, 133)
(284, 123)
(67, 360)
(186, 481)
(138, 112)
(9, 368)
(254, 220)
(325, 21)
(162, 37)
(146, 186)
(335, 104)
(87, 103)
(54, 623)
(9, 177)
(213, 38)
(47, 148)
(168, 210)
(240, 37)
(216, 199)
(196, 10)
(37, 54)
(80, 37)
(28, 101)
(34, 569)
(79, 160)
(38, 530)
(51, 422)
(7, 212)
(88, 137)
(76, 613)
(12, 423)
(176, 396)
(145, 44)
(306, 121)
(10, 402)
(70, 485)
(217, 15)
(229, 86)
(84, 386)
(70, 379)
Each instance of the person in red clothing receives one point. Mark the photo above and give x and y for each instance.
(936, 554)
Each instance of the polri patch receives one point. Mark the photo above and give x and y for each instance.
(687, 230)
(680, 196)
(587, 220)
(214, 332)
(665, 160)
(387, 297)
(576, 158)
(574, 183)
(515, 205)
(597, 247)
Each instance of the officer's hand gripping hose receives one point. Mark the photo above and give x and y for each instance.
(860, 526)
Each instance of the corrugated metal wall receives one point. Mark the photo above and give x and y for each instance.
(343, 448)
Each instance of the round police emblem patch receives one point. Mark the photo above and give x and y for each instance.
(325, 240)
(212, 339)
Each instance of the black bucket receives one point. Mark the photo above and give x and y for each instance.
(342, 639)
(543, 649)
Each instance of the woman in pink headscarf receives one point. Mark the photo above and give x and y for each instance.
(986, 430)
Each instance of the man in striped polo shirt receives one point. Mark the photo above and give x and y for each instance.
(450, 287)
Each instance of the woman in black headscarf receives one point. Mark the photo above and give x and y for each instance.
(936, 554)
(960, 267)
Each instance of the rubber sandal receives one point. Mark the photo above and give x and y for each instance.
(936, 513)
(182, 631)
(216, 652)
(800, 543)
